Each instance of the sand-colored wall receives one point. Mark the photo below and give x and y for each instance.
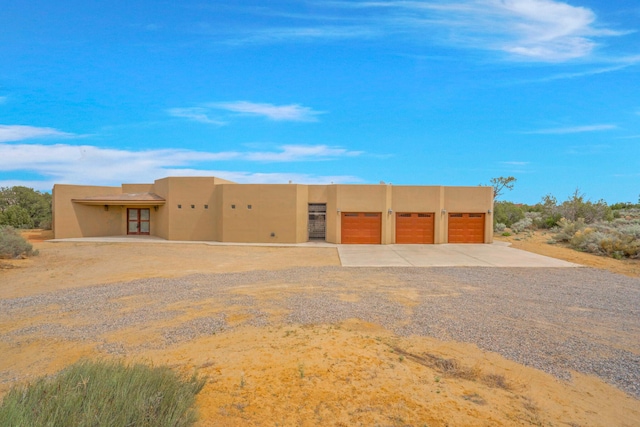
(189, 212)
(77, 220)
(263, 213)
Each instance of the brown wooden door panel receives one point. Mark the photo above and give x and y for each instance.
(414, 228)
(361, 227)
(138, 221)
(466, 227)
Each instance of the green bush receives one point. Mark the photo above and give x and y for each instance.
(507, 213)
(16, 216)
(13, 245)
(104, 394)
(34, 204)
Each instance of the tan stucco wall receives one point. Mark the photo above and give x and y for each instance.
(275, 209)
(76, 220)
(281, 209)
(185, 213)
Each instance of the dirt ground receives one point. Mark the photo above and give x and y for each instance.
(352, 373)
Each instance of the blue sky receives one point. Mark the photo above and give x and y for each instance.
(408, 92)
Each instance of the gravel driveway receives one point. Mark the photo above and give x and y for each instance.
(552, 319)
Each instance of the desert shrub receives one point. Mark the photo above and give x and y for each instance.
(610, 242)
(13, 245)
(566, 229)
(499, 227)
(104, 394)
(577, 207)
(619, 238)
(549, 212)
(507, 213)
(522, 225)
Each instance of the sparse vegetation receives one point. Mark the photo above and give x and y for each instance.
(104, 394)
(13, 245)
(583, 225)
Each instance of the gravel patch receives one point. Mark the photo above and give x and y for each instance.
(556, 320)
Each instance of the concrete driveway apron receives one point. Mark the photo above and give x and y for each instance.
(446, 255)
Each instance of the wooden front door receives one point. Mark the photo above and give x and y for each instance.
(138, 221)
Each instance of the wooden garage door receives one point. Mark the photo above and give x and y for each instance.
(466, 228)
(361, 227)
(414, 227)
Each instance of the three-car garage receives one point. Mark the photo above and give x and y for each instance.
(411, 227)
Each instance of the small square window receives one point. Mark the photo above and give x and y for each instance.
(233, 206)
(206, 206)
(193, 206)
(248, 206)
(179, 206)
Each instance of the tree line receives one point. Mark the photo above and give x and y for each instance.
(24, 207)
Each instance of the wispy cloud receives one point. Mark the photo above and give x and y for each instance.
(291, 112)
(588, 150)
(86, 164)
(539, 30)
(573, 129)
(18, 133)
(203, 113)
(514, 163)
(291, 153)
(563, 76)
(197, 114)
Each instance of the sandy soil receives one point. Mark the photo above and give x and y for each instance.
(353, 373)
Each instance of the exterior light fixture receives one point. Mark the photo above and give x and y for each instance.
(338, 211)
(390, 211)
(489, 211)
(443, 211)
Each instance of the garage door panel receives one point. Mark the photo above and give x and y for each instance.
(466, 227)
(361, 227)
(414, 227)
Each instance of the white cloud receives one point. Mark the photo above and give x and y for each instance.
(539, 30)
(197, 114)
(301, 152)
(292, 112)
(18, 133)
(513, 163)
(574, 129)
(86, 164)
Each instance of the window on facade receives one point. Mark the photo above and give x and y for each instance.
(248, 206)
(193, 206)
(233, 206)
(206, 206)
(179, 206)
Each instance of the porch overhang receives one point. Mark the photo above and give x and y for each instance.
(125, 199)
